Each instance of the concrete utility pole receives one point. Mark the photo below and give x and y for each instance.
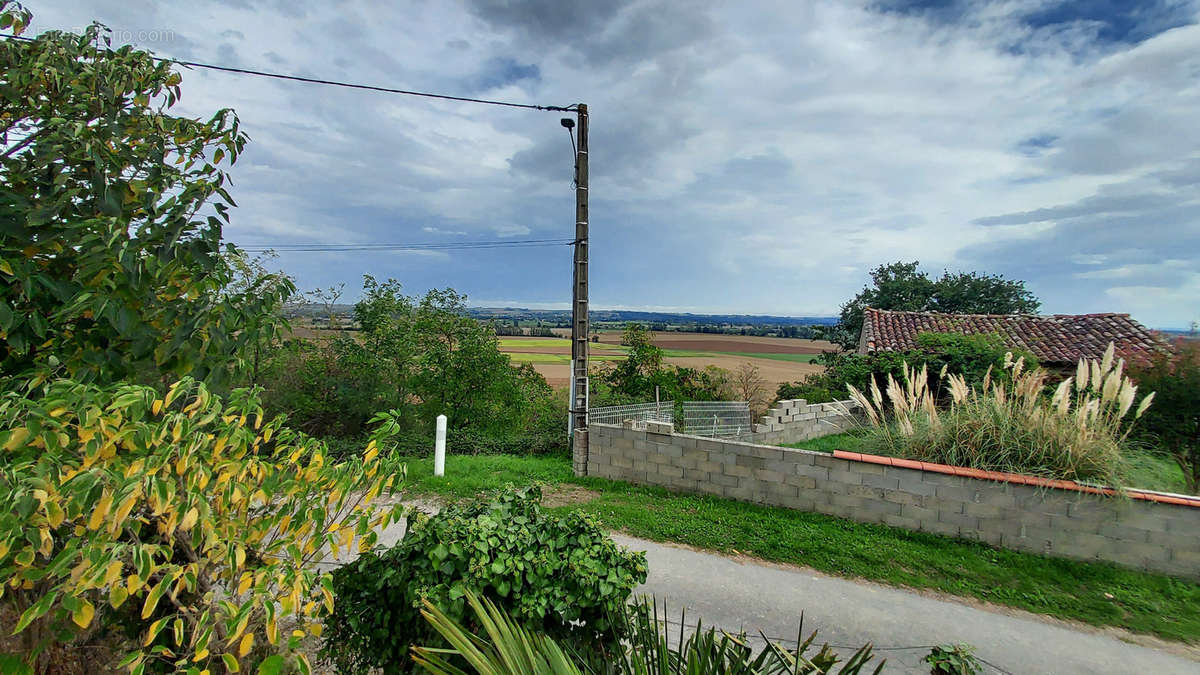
(579, 302)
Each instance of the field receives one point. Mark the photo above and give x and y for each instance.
(778, 359)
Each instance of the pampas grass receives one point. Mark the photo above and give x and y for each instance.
(1010, 424)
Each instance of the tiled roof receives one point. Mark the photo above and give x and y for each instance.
(1060, 338)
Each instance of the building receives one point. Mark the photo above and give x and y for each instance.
(1057, 340)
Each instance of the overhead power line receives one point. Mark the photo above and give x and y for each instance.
(347, 85)
(448, 246)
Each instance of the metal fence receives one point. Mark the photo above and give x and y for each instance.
(638, 412)
(718, 419)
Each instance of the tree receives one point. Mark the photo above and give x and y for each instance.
(111, 211)
(252, 283)
(749, 386)
(901, 286)
(191, 521)
(1173, 421)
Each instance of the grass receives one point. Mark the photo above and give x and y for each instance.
(1151, 471)
(533, 342)
(521, 357)
(1143, 469)
(851, 441)
(1141, 602)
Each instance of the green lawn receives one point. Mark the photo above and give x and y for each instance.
(850, 441)
(556, 358)
(1154, 472)
(1141, 602)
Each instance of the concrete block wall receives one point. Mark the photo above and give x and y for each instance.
(1161, 536)
(795, 420)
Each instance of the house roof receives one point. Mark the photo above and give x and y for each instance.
(1060, 338)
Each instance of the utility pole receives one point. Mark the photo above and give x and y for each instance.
(579, 302)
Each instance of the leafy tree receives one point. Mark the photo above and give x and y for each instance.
(111, 212)
(415, 357)
(901, 286)
(1173, 421)
(635, 378)
(193, 521)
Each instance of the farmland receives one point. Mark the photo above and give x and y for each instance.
(778, 359)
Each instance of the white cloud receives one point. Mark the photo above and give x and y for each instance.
(747, 154)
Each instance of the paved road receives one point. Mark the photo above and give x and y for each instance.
(736, 595)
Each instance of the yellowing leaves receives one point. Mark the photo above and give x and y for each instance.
(16, 438)
(54, 514)
(120, 483)
(189, 519)
(97, 517)
(82, 616)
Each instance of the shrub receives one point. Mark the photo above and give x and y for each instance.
(953, 660)
(1173, 422)
(558, 575)
(504, 647)
(1077, 434)
(814, 388)
(193, 521)
(972, 357)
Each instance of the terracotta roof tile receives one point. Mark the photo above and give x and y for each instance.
(1060, 338)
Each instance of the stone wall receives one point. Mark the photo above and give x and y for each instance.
(1143, 530)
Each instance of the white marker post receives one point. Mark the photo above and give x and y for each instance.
(439, 447)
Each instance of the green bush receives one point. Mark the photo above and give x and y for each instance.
(641, 374)
(956, 659)
(1172, 424)
(971, 356)
(814, 388)
(558, 575)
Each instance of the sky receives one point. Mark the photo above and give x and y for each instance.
(748, 157)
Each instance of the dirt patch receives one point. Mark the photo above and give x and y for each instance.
(773, 371)
(566, 495)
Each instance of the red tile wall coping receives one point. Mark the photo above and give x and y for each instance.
(1005, 477)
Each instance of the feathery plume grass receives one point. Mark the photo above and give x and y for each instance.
(1010, 424)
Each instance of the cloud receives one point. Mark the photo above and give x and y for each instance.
(435, 230)
(752, 157)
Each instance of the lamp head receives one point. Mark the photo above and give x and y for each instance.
(567, 123)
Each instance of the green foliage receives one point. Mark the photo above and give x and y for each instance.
(192, 521)
(558, 575)
(112, 212)
(504, 647)
(901, 286)
(971, 356)
(416, 358)
(956, 659)
(635, 378)
(1173, 422)
(814, 388)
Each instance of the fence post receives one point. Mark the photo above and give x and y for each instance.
(439, 447)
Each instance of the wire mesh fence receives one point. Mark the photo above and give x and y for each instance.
(717, 419)
(638, 412)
